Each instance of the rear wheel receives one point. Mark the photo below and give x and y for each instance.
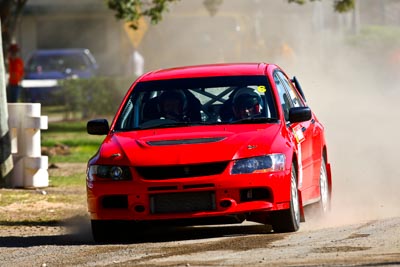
(321, 208)
(325, 200)
(289, 220)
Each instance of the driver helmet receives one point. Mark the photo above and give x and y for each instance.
(247, 103)
(172, 104)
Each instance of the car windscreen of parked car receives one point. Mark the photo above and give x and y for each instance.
(193, 101)
(57, 62)
(60, 64)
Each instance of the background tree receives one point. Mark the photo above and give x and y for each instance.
(10, 11)
(132, 10)
(339, 5)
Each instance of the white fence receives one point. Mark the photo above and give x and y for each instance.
(30, 167)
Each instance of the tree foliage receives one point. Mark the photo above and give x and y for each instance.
(132, 10)
(339, 5)
(344, 5)
(10, 11)
(128, 10)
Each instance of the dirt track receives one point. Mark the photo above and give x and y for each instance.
(372, 243)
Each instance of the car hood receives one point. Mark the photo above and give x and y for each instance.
(188, 145)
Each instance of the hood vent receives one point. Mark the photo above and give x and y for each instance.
(185, 141)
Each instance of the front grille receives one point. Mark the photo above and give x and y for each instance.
(182, 202)
(181, 171)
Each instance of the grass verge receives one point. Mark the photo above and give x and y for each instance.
(65, 197)
(76, 145)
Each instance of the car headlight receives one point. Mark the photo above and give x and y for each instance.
(262, 164)
(102, 172)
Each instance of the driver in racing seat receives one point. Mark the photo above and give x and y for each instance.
(246, 103)
(172, 105)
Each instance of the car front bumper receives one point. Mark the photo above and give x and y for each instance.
(188, 198)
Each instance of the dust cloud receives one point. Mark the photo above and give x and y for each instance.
(352, 91)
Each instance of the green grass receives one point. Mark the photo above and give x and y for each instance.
(53, 110)
(11, 196)
(65, 197)
(77, 154)
(69, 180)
(72, 134)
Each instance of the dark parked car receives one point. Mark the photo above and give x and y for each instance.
(45, 68)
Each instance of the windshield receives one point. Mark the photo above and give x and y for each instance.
(60, 62)
(194, 101)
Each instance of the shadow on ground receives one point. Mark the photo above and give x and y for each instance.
(77, 231)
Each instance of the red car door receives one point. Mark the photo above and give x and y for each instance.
(304, 133)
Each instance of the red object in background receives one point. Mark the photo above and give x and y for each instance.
(15, 70)
(210, 167)
(15, 66)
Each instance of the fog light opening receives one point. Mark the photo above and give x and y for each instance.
(225, 203)
(139, 208)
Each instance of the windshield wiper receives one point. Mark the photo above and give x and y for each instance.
(255, 120)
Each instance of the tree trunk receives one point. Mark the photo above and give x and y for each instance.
(6, 162)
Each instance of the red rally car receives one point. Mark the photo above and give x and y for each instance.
(209, 144)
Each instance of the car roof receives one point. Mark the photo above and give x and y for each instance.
(210, 70)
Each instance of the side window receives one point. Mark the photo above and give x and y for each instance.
(283, 96)
(294, 96)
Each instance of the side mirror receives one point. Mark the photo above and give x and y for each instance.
(98, 127)
(299, 114)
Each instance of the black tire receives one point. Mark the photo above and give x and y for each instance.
(100, 231)
(324, 204)
(109, 231)
(289, 220)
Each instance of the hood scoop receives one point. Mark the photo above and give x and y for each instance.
(185, 141)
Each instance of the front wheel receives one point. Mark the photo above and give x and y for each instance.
(289, 220)
(108, 231)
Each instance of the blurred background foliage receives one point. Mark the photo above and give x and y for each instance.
(376, 36)
(98, 96)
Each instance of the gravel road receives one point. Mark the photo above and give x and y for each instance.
(371, 243)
